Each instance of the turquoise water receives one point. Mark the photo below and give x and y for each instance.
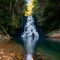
(44, 45)
(50, 48)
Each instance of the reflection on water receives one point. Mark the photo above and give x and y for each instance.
(50, 48)
(44, 46)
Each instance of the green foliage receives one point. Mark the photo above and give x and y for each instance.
(47, 13)
(11, 15)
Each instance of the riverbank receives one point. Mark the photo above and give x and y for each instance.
(11, 51)
(54, 36)
(14, 51)
(50, 49)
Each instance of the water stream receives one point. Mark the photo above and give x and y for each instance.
(30, 36)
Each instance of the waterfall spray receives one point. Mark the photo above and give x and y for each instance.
(30, 36)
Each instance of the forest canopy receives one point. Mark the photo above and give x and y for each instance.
(47, 13)
(11, 15)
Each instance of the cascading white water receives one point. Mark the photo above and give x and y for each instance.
(30, 35)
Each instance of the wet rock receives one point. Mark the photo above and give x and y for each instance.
(41, 56)
(4, 38)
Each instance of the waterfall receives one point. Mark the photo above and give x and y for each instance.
(30, 36)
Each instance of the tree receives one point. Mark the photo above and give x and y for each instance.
(47, 13)
(11, 15)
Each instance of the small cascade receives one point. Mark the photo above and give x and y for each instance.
(30, 36)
